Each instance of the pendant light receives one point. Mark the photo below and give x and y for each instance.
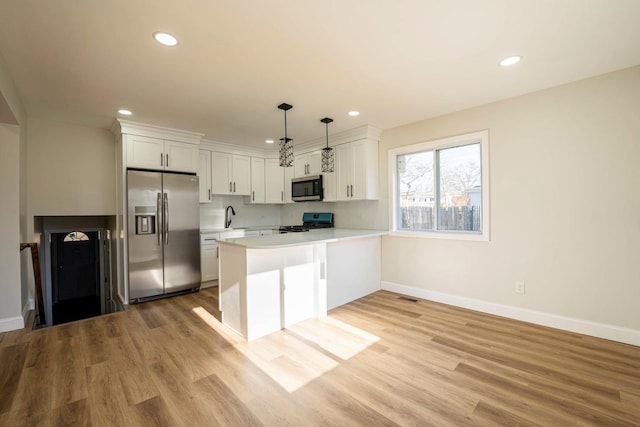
(286, 143)
(327, 152)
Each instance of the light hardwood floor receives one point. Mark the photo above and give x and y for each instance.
(378, 361)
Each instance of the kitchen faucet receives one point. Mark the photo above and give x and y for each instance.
(227, 217)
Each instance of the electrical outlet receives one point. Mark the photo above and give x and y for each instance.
(519, 287)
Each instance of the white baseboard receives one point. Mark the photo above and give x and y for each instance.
(11, 323)
(586, 327)
(30, 305)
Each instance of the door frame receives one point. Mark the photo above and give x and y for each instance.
(103, 260)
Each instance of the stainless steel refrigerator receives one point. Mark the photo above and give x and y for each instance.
(163, 234)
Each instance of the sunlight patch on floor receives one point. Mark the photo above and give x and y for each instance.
(334, 336)
(302, 353)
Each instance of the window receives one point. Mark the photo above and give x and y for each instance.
(76, 236)
(441, 188)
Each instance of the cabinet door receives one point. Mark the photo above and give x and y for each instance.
(299, 165)
(221, 182)
(257, 180)
(329, 184)
(359, 173)
(180, 157)
(314, 160)
(144, 152)
(308, 164)
(204, 172)
(241, 173)
(274, 181)
(209, 262)
(343, 171)
(288, 176)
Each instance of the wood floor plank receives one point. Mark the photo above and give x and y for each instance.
(70, 377)
(76, 413)
(12, 360)
(107, 402)
(153, 412)
(380, 360)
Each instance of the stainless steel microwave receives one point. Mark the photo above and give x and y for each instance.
(306, 188)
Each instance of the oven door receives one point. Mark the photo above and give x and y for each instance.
(306, 188)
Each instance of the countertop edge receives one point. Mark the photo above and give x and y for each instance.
(312, 237)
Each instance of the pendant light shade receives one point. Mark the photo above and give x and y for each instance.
(286, 143)
(327, 152)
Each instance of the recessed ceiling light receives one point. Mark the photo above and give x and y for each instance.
(354, 113)
(165, 39)
(510, 61)
(124, 112)
(269, 141)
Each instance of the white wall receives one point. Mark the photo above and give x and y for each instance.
(13, 268)
(71, 169)
(10, 295)
(565, 202)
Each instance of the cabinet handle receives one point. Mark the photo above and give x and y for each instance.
(234, 186)
(161, 160)
(351, 190)
(209, 194)
(167, 160)
(217, 251)
(230, 187)
(253, 196)
(347, 191)
(282, 196)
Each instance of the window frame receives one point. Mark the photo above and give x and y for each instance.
(481, 137)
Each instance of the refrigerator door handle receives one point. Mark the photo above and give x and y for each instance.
(159, 219)
(166, 219)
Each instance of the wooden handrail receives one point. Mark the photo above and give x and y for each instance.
(40, 319)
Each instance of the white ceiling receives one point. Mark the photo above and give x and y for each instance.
(396, 61)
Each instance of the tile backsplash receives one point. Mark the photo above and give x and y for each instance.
(247, 215)
(355, 214)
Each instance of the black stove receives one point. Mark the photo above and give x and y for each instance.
(310, 221)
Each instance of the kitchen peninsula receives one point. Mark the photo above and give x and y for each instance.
(271, 282)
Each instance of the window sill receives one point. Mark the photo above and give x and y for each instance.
(441, 235)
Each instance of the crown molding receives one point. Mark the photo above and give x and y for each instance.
(209, 144)
(344, 137)
(143, 129)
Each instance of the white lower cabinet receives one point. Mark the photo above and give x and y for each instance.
(209, 258)
(210, 254)
(209, 262)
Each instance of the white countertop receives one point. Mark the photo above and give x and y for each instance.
(275, 241)
(255, 227)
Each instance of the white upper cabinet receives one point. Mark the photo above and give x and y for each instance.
(274, 181)
(230, 174)
(241, 173)
(257, 180)
(158, 154)
(307, 163)
(356, 170)
(204, 172)
(180, 157)
(329, 186)
(288, 176)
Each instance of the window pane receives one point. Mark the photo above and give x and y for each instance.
(459, 186)
(415, 188)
